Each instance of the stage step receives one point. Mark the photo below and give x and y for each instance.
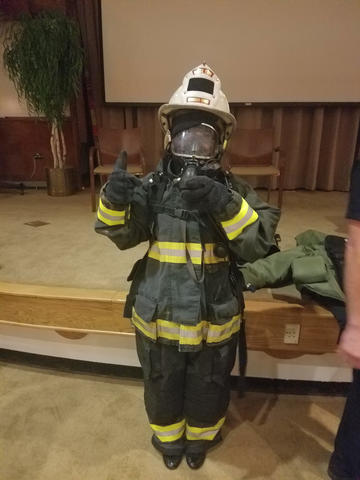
(75, 312)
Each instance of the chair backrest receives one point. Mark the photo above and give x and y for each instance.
(112, 140)
(250, 147)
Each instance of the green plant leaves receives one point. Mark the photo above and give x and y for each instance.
(44, 58)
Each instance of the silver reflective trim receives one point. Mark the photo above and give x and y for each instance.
(201, 330)
(114, 218)
(207, 433)
(149, 327)
(172, 330)
(185, 333)
(170, 433)
(181, 332)
(174, 252)
(241, 223)
(167, 251)
(195, 253)
(227, 329)
(209, 251)
(190, 333)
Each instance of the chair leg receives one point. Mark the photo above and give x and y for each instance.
(92, 192)
(280, 195)
(269, 190)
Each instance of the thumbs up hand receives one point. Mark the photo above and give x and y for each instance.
(121, 184)
(205, 194)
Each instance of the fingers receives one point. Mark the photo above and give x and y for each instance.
(197, 182)
(121, 176)
(354, 362)
(191, 196)
(351, 358)
(121, 186)
(120, 170)
(136, 181)
(121, 162)
(196, 188)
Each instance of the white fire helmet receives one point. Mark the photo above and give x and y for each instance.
(200, 90)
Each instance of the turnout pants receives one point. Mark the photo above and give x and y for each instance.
(186, 393)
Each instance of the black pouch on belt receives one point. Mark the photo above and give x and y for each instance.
(134, 276)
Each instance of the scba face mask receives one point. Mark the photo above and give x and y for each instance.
(200, 143)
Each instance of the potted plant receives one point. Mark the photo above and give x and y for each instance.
(44, 58)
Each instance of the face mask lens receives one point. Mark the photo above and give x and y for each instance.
(199, 142)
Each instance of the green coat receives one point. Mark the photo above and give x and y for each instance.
(183, 291)
(307, 266)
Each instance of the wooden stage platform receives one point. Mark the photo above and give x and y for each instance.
(76, 312)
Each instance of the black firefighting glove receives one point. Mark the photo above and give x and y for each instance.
(120, 187)
(205, 194)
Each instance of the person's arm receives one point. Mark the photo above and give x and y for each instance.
(349, 346)
(126, 222)
(250, 224)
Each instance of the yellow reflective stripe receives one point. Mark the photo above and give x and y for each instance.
(193, 335)
(205, 433)
(169, 433)
(210, 257)
(166, 258)
(169, 330)
(108, 210)
(175, 252)
(241, 213)
(109, 222)
(218, 333)
(110, 217)
(179, 245)
(167, 428)
(184, 334)
(187, 334)
(245, 217)
(147, 328)
(211, 260)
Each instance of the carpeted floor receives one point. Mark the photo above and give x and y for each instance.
(67, 252)
(69, 426)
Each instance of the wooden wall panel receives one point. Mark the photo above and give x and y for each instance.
(38, 5)
(13, 8)
(266, 322)
(20, 139)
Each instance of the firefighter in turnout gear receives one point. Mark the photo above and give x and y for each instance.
(184, 303)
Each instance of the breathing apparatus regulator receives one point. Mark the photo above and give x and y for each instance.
(197, 123)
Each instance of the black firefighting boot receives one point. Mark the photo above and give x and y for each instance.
(195, 460)
(172, 461)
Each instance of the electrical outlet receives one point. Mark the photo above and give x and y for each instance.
(292, 333)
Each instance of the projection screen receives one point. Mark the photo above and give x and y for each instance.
(277, 51)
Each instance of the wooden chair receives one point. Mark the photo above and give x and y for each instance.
(110, 142)
(251, 152)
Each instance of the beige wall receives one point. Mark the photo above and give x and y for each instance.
(263, 50)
